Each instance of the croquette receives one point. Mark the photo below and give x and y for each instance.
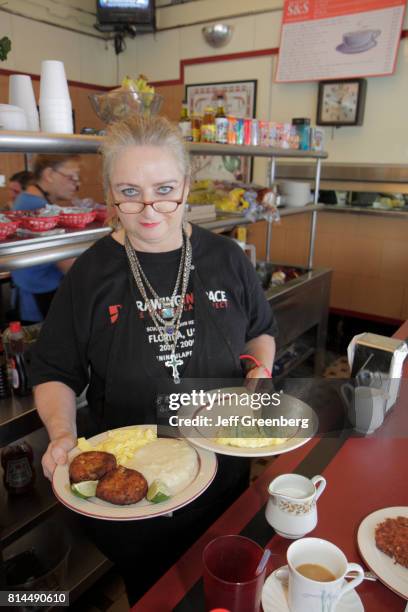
(91, 465)
(391, 536)
(122, 486)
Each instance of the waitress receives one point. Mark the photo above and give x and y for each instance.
(55, 178)
(142, 312)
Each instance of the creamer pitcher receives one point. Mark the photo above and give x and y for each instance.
(291, 509)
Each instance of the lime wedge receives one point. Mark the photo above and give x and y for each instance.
(84, 489)
(158, 492)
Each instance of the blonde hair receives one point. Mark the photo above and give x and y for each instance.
(141, 131)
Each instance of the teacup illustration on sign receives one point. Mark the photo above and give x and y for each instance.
(358, 41)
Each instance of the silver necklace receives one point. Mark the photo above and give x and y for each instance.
(169, 328)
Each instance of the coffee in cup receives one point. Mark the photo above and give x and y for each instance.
(313, 571)
(324, 567)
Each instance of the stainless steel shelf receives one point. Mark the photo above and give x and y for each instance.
(23, 252)
(40, 142)
(200, 148)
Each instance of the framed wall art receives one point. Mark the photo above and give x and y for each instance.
(239, 101)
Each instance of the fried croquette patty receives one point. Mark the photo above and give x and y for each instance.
(122, 486)
(91, 465)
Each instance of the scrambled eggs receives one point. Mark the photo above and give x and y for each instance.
(253, 438)
(123, 443)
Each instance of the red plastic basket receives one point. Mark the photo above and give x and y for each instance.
(76, 220)
(39, 224)
(16, 214)
(101, 214)
(6, 229)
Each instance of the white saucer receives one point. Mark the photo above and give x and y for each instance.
(274, 598)
(343, 48)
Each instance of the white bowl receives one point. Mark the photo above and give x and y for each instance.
(294, 187)
(12, 117)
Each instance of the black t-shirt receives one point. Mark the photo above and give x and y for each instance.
(75, 341)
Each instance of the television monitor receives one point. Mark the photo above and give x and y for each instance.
(131, 12)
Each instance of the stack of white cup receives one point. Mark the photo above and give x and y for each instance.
(21, 94)
(55, 102)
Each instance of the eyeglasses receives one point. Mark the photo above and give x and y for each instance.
(74, 178)
(133, 207)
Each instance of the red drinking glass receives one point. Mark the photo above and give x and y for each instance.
(230, 582)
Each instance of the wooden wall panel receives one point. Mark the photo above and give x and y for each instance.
(173, 97)
(368, 256)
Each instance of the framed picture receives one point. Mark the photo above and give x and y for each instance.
(239, 101)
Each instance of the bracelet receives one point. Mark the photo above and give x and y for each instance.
(257, 364)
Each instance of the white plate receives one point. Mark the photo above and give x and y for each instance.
(275, 598)
(393, 575)
(98, 508)
(199, 436)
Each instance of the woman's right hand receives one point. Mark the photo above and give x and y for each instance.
(57, 453)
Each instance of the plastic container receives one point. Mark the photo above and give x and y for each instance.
(39, 224)
(16, 345)
(5, 390)
(302, 125)
(76, 220)
(18, 469)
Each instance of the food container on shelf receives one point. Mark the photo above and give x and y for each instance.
(76, 218)
(6, 229)
(37, 223)
(101, 213)
(117, 105)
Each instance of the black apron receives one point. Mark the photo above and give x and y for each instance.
(134, 377)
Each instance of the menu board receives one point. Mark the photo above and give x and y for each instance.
(334, 39)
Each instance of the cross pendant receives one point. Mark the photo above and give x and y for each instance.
(173, 363)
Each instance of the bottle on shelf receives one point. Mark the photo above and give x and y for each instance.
(19, 473)
(185, 123)
(196, 121)
(4, 381)
(221, 122)
(208, 125)
(16, 349)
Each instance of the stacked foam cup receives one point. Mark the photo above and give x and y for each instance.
(21, 94)
(55, 102)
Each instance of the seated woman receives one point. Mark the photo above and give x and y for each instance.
(55, 178)
(115, 324)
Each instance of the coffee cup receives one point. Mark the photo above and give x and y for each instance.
(315, 574)
(360, 38)
(365, 407)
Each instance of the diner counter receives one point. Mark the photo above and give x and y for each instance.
(363, 475)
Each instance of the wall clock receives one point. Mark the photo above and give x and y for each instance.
(341, 102)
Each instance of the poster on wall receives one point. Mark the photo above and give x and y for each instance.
(239, 101)
(335, 39)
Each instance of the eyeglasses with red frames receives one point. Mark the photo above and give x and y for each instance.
(134, 207)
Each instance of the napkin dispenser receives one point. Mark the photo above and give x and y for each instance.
(377, 361)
